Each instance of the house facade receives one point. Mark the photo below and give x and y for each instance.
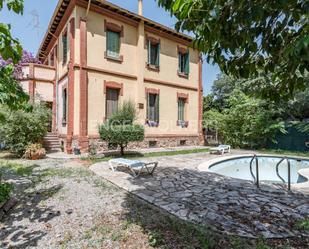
(96, 55)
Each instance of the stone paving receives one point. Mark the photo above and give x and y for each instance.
(229, 205)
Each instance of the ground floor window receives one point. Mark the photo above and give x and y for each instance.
(112, 99)
(181, 109)
(153, 107)
(64, 105)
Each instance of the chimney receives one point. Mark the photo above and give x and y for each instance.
(140, 7)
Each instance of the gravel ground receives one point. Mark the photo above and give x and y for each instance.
(62, 201)
(62, 204)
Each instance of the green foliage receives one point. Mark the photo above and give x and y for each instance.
(247, 123)
(302, 224)
(10, 48)
(120, 130)
(21, 128)
(250, 38)
(125, 115)
(11, 93)
(5, 190)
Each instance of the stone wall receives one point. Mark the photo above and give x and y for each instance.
(150, 143)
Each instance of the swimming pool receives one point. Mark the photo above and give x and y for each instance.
(239, 167)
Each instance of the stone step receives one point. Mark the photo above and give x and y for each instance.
(51, 143)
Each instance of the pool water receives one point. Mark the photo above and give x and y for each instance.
(240, 168)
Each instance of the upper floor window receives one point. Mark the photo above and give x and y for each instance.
(183, 62)
(65, 47)
(153, 47)
(114, 32)
(113, 43)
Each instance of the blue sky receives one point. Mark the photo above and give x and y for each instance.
(30, 28)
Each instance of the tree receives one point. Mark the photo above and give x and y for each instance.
(120, 129)
(11, 93)
(251, 38)
(10, 48)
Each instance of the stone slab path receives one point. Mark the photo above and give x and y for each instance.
(229, 205)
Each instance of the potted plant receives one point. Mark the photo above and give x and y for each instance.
(35, 152)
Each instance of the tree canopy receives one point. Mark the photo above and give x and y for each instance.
(251, 38)
(10, 47)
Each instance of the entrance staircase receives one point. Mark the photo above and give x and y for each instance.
(51, 142)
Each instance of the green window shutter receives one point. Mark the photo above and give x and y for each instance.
(147, 110)
(113, 43)
(158, 55)
(157, 108)
(65, 47)
(181, 109)
(179, 62)
(187, 63)
(148, 52)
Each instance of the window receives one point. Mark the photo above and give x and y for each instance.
(153, 107)
(181, 109)
(112, 96)
(65, 47)
(64, 105)
(113, 43)
(183, 63)
(152, 144)
(153, 54)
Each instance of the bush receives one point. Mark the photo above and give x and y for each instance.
(119, 130)
(20, 128)
(247, 123)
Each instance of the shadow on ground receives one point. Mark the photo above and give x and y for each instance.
(213, 207)
(29, 207)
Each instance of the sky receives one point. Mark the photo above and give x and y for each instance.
(30, 27)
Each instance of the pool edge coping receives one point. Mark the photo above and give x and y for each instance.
(304, 186)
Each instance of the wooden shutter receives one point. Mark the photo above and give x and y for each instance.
(158, 55)
(113, 43)
(187, 63)
(64, 105)
(179, 62)
(112, 96)
(65, 47)
(149, 52)
(181, 109)
(157, 108)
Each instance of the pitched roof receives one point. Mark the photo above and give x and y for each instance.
(63, 5)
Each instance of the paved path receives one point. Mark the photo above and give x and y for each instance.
(229, 205)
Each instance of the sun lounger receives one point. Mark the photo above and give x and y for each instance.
(136, 167)
(221, 149)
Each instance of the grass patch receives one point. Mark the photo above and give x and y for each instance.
(284, 152)
(147, 154)
(5, 190)
(18, 169)
(302, 224)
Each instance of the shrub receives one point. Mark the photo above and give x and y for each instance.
(247, 123)
(119, 130)
(20, 128)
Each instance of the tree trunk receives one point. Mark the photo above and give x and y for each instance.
(121, 150)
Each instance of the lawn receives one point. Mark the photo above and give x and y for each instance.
(96, 159)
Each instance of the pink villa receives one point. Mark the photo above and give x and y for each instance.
(95, 55)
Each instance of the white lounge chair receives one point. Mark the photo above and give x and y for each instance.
(136, 167)
(221, 149)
